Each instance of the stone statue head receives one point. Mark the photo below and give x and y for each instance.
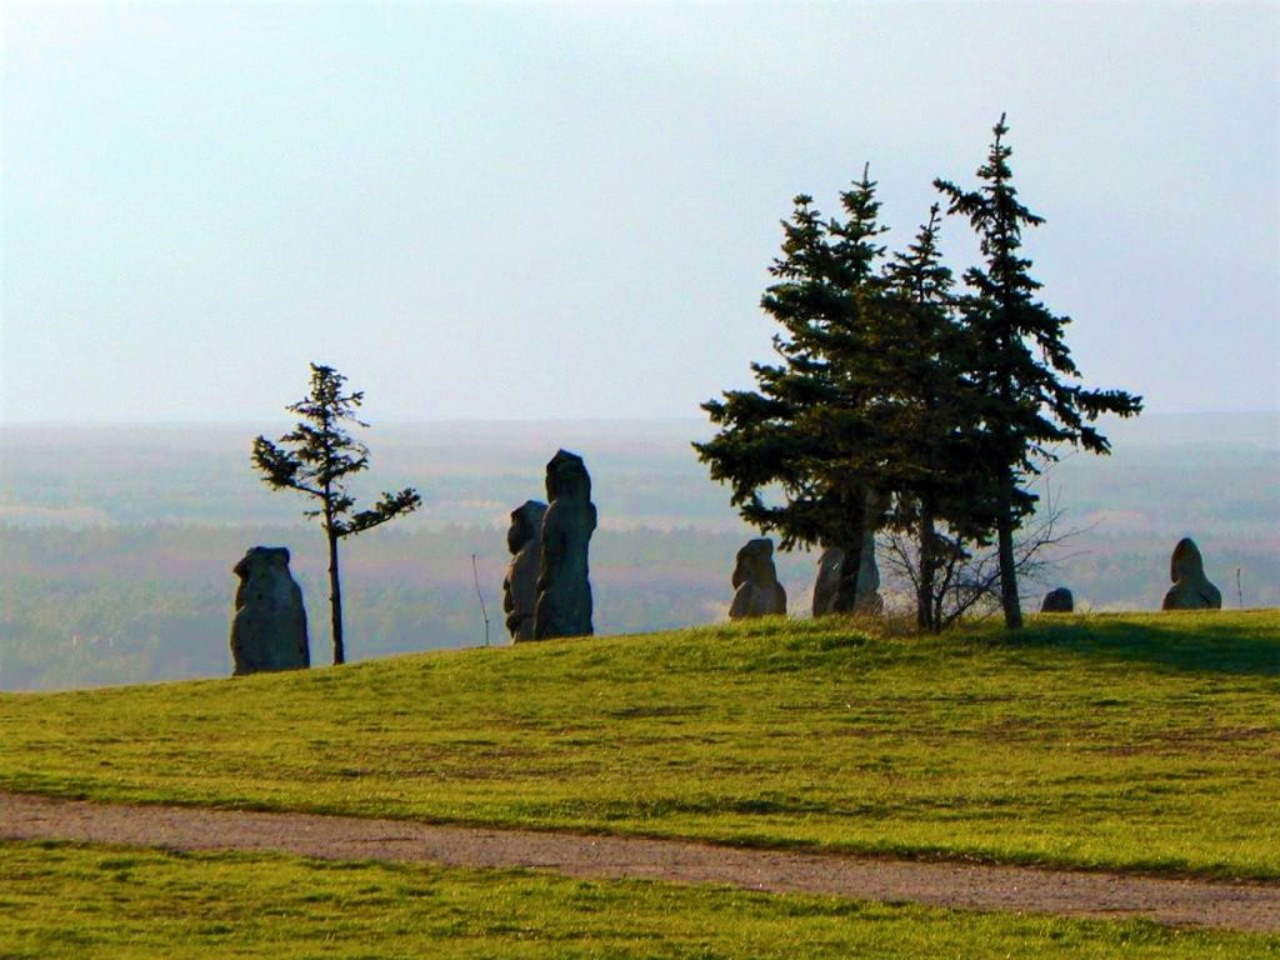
(526, 522)
(1186, 563)
(567, 477)
(755, 563)
(260, 559)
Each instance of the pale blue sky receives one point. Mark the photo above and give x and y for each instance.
(542, 210)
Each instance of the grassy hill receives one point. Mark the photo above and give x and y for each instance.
(1143, 743)
(1130, 742)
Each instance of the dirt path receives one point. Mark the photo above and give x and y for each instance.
(1227, 906)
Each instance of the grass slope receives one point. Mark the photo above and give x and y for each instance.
(71, 901)
(1136, 743)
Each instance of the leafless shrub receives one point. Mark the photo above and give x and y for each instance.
(966, 580)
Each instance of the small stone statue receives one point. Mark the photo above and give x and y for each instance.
(1058, 601)
(827, 584)
(1191, 589)
(520, 587)
(826, 587)
(269, 630)
(755, 580)
(563, 608)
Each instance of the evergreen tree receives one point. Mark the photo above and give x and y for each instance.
(1019, 364)
(939, 500)
(315, 459)
(810, 430)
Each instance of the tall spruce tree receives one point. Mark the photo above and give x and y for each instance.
(810, 429)
(1018, 361)
(316, 459)
(939, 501)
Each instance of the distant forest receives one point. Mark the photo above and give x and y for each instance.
(116, 544)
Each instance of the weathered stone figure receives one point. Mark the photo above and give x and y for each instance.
(755, 580)
(564, 587)
(269, 630)
(1191, 589)
(830, 569)
(520, 587)
(1058, 601)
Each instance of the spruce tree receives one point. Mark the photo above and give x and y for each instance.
(1019, 362)
(810, 429)
(938, 503)
(316, 459)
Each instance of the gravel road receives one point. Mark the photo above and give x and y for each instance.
(1228, 906)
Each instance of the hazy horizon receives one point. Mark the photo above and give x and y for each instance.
(117, 543)
(52, 471)
(393, 422)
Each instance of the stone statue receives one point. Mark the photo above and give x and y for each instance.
(830, 569)
(826, 586)
(1191, 589)
(563, 608)
(831, 566)
(755, 580)
(1058, 601)
(269, 630)
(520, 587)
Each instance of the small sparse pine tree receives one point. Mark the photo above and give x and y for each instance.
(316, 459)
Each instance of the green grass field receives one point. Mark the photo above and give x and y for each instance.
(70, 901)
(1145, 743)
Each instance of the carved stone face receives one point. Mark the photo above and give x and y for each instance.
(526, 521)
(260, 559)
(567, 477)
(1186, 564)
(755, 564)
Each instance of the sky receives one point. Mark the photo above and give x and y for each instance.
(537, 210)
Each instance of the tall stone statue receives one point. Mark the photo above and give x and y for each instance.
(755, 579)
(564, 588)
(1191, 589)
(269, 629)
(520, 587)
(831, 569)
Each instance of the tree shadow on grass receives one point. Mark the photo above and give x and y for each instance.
(1242, 644)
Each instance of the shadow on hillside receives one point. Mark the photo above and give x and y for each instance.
(1236, 645)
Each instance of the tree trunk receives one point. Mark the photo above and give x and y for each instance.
(335, 600)
(854, 504)
(846, 600)
(1004, 493)
(925, 606)
(1008, 563)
